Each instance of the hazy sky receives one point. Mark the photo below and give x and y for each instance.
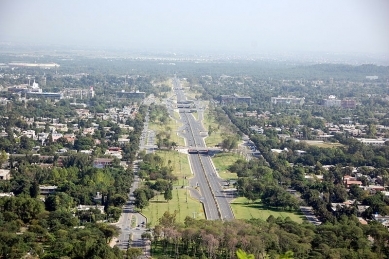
(201, 25)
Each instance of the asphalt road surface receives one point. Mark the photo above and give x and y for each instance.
(213, 197)
(130, 234)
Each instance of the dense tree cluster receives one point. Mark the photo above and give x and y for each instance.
(54, 228)
(26, 227)
(159, 180)
(268, 239)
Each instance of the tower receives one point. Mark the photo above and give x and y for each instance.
(44, 80)
(91, 92)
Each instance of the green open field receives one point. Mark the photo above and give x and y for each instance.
(243, 209)
(180, 164)
(322, 144)
(173, 126)
(192, 95)
(216, 136)
(176, 116)
(222, 161)
(158, 206)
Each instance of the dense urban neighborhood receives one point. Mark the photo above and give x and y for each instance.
(174, 157)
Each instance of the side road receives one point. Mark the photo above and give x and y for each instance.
(131, 224)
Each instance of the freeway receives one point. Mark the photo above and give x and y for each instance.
(214, 199)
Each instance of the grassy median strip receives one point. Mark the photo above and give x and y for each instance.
(180, 164)
(171, 126)
(133, 221)
(244, 209)
(216, 137)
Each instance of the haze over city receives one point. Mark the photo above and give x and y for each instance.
(201, 26)
(194, 129)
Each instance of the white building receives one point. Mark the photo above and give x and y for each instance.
(372, 142)
(288, 100)
(5, 174)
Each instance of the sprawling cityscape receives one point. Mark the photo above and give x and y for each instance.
(206, 129)
(146, 161)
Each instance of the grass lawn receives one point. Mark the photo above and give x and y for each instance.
(173, 125)
(158, 206)
(222, 161)
(192, 95)
(243, 209)
(176, 116)
(180, 164)
(216, 136)
(322, 144)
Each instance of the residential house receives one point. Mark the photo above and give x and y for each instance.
(7, 194)
(29, 133)
(70, 138)
(87, 131)
(123, 141)
(60, 127)
(56, 136)
(257, 129)
(384, 220)
(5, 174)
(350, 180)
(47, 189)
(89, 207)
(102, 162)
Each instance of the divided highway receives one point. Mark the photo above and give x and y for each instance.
(214, 199)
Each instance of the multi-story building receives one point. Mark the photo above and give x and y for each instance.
(234, 99)
(288, 100)
(78, 93)
(348, 104)
(372, 142)
(102, 162)
(47, 189)
(331, 101)
(136, 94)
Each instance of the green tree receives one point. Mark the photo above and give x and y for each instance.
(133, 253)
(243, 255)
(3, 158)
(168, 195)
(141, 200)
(34, 189)
(118, 200)
(229, 142)
(26, 143)
(168, 219)
(59, 201)
(109, 231)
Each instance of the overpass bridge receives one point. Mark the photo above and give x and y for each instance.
(200, 150)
